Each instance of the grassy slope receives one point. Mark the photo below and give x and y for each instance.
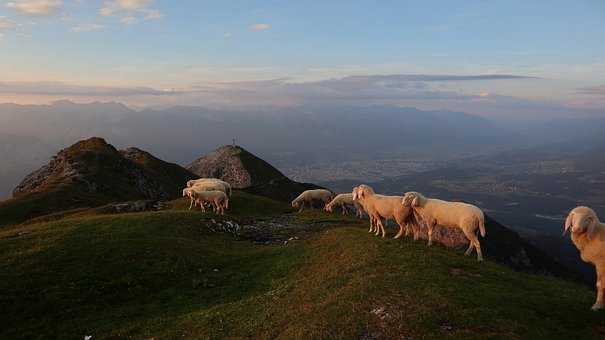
(152, 274)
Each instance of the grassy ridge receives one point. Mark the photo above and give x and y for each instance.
(153, 275)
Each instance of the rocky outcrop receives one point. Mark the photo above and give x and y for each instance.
(243, 170)
(235, 165)
(93, 166)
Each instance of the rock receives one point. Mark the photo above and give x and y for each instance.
(243, 170)
(92, 166)
(138, 206)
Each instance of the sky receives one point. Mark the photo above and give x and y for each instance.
(482, 55)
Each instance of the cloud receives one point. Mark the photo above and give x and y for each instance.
(404, 78)
(152, 14)
(36, 7)
(6, 23)
(64, 89)
(87, 27)
(260, 27)
(597, 90)
(128, 20)
(130, 10)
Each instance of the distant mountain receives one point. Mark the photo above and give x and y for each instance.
(295, 135)
(287, 137)
(90, 173)
(243, 170)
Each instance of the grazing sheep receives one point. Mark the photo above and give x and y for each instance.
(188, 192)
(206, 186)
(309, 196)
(218, 199)
(588, 235)
(344, 201)
(387, 207)
(465, 216)
(211, 185)
(200, 181)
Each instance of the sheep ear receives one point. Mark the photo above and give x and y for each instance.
(592, 225)
(568, 223)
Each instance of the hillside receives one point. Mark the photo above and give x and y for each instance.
(244, 170)
(268, 274)
(90, 173)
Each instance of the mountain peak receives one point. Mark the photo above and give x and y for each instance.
(94, 172)
(235, 165)
(244, 170)
(93, 144)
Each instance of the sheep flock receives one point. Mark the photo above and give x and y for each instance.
(413, 211)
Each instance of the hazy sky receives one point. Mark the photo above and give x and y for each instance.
(146, 52)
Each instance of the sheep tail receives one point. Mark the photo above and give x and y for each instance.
(482, 226)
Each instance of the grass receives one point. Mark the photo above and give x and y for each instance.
(165, 275)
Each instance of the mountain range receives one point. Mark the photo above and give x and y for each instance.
(287, 137)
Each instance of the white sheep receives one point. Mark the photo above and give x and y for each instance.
(216, 198)
(201, 181)
(588, 235)
(464, 216)
(308, 197)
(203, 186)
(387, 207)
(344, 201)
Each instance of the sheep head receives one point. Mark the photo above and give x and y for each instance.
(295, 204)
(412, 199)
(364, 191)
(581, 220)
(355, 195)
(328, 207)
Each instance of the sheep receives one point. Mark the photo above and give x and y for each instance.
(218, 199)
(309, 196)
(464, 216)
(203, 186)
(188, 192)
(588, 235)
(201, 181)
(387, 207)
(344, 201)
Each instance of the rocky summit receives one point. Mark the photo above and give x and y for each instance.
(235, 165)
(244, 170)
(90, 173)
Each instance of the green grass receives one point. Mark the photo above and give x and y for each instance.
(149, 275)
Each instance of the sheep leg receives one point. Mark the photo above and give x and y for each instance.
(402, 226)
(474, 241)
(469, 249)
(371, 223)
(600, 304)
(190, 202)
(380, 227)
(429, 227)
